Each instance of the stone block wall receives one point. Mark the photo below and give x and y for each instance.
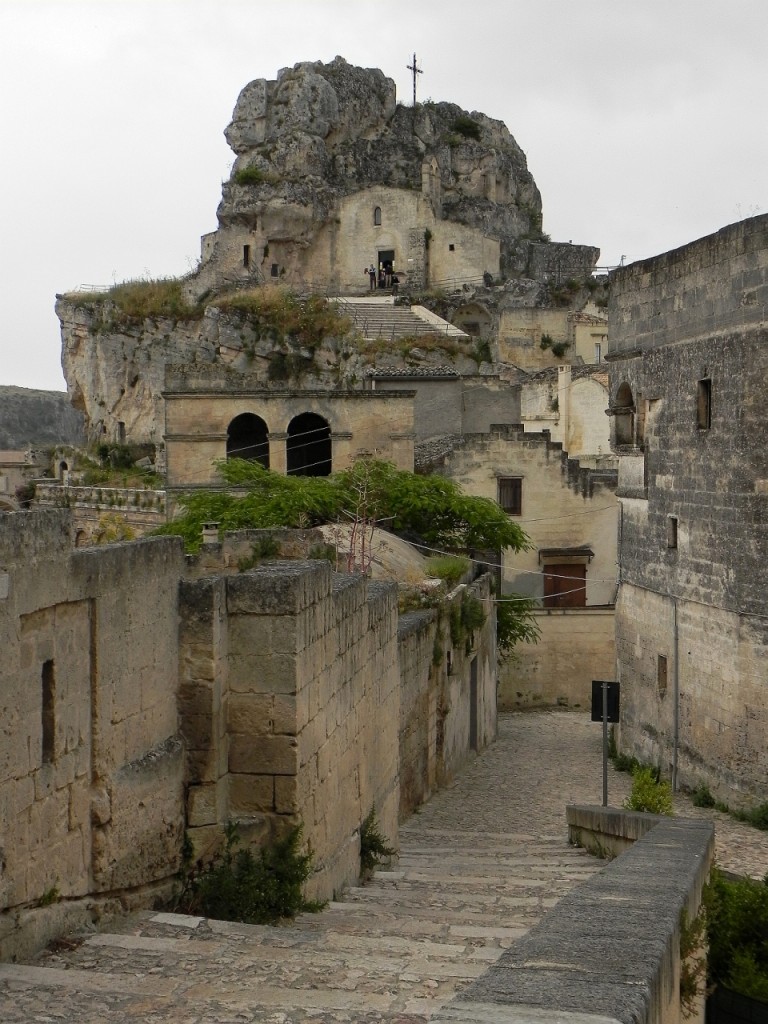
(689, 342)
(447, 693)
(91, 766)
(576, 645)
(290, 708)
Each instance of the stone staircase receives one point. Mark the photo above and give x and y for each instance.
(380, 318)
(477, 869)
(398, 948)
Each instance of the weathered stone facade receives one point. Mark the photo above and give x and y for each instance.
(91, 760)
(569, 513)
(139, 699)
(688, 359)
(201, 407)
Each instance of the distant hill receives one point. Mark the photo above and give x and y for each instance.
(35, 417)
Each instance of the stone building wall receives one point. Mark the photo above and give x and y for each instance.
(447, 693)
(141, 509)
(576, 646)
(689, 362)
(139, 702)
(91, 763)
(198, 413)
(563, 506)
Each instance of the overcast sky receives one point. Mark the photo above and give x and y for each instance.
(643, 122)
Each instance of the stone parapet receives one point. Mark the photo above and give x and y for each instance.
(610, 949)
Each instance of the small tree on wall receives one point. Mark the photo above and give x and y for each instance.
(430, 511)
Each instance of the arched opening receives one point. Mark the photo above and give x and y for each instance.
(248, 438)
(377, 215)
(308, 446)
(624, 415)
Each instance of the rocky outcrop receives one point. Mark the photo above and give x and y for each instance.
(29, 416)
(324, 131)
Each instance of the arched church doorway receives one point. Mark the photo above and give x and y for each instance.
(308, 446)
(248, 438)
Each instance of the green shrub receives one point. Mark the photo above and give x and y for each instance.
(466, 127)
(373, 845)
(253, 176)
(447, 567)
(264, 547)
(546, 341)
(256, 888)
(757, 816)
(737, 929)
(701, 796)
(650, 793)
(560, 348)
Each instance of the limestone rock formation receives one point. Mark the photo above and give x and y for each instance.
(322, 132)
(29, 416)
(331, 174)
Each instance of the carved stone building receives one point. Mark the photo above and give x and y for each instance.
(688, 356)
(332, 175)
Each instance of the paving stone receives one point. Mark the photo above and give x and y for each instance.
(480, 864)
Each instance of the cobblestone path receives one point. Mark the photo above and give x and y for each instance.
(479, 866)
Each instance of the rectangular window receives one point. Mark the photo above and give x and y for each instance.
(49, 720)
(598, 351)
(661, 674)
(671, 531)
(451, 247)
(246, 255)
(704, 404)
(565, 585)
(275, 270)
(511, 494)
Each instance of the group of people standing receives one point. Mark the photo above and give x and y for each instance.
(384, 278)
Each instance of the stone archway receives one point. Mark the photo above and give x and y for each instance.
(308, 446)
(624, 415)
(248, 438)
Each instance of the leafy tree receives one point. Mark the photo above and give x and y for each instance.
(427, 510)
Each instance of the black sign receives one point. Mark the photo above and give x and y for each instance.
(597, 700)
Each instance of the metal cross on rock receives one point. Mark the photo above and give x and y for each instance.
(415, 70)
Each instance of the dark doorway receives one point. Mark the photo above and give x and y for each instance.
(248, 438)
(309, 445)
(473, 709)
(386, 256)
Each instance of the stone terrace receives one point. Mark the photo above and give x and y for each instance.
(479, 866)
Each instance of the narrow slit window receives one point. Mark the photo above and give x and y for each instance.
(661, 674)
(704, 404)
(49, 719)
(246, 256)
(671, 531)
(377, 216)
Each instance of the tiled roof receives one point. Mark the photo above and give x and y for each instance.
(413, 371)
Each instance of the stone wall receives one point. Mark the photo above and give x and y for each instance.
(689, 361)
(142, 510)
(91, 765)
(576, 646)
(590, 960)
(199, 410)
(138, 700)
(447, 693)
(563, 506)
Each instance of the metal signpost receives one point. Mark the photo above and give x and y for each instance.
(605, 709)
